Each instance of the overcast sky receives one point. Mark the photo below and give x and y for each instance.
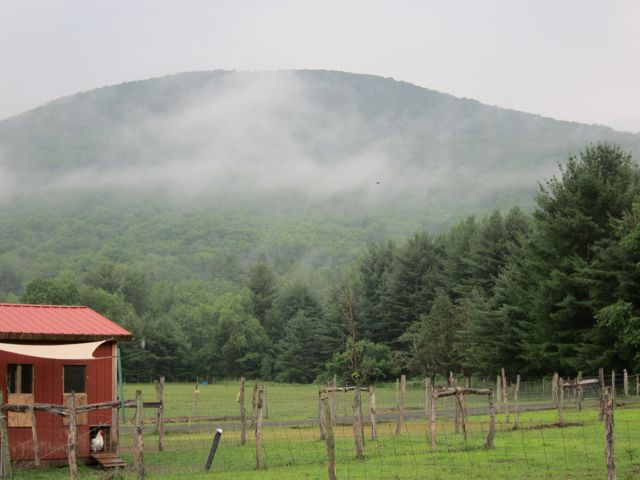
(568, 59)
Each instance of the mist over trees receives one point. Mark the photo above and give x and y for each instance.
(554, 289)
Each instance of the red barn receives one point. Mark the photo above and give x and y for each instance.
(47, 352)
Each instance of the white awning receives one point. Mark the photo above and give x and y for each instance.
(68, 351)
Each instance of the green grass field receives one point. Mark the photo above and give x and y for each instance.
(538, 450)
(292, 401)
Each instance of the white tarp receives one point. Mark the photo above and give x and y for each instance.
(68, 351)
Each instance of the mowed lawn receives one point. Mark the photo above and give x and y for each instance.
(538, 450)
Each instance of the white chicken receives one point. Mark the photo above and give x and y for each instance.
(97, 443)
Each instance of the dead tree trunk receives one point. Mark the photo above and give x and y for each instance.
(357, 423)
(160, 413)
(139, 438)
(258, 424)
(329, 439)
(73, 436)
(401, 399)
(609, 435)
(374, 421)
(243, 414)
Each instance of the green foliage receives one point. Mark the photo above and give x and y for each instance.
(298, 360)
(44, 291)
(375, 364)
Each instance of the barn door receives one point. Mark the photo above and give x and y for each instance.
(75, 380)
(20, 392)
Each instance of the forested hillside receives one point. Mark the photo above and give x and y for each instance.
(238, 222)
(554, 289)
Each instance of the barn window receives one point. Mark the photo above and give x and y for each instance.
(75, 378)
(20, 378)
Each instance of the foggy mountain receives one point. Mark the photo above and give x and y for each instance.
(217, 167)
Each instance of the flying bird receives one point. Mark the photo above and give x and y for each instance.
(97, 443)
(378, 182)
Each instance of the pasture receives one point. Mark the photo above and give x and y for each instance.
(292, 448)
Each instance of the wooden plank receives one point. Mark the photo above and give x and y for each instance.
(15, 419)
(82, 418)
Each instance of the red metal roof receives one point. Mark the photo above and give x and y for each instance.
(53, 322)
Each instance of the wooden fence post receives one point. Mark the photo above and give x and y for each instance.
(609, 435)
(554, 389)
(579, 390)
(139, 438)
(196, 400)
(329, 440)
(34, 436)
(516, 402)
(432, 414)
(459, 400)
(5, 456)
(427, 399)
(602, 387)
(613, 387)
(357, 423)
(498, 396)
(321, 415)
(73, 435)
(266, 403)
(212, 450)
(560, 399)
(492, 422)
(625, 380)
(456, 418)
(333, 400)
(637, 384)
(374, 421)
(160, 414)
(254, 404)
(401, 399)
(243, 414)
(505, 394)
(259, 404)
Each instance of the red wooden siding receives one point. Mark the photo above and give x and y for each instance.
(47, 388)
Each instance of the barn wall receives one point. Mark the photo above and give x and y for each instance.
(47, 388)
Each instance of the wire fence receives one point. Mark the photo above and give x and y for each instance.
(292, 447)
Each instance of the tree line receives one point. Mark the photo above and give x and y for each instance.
(557, 288)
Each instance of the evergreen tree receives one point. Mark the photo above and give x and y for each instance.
(412, 284)
(298, 358)
(262, 283)
(573, 214)
(374, 270)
